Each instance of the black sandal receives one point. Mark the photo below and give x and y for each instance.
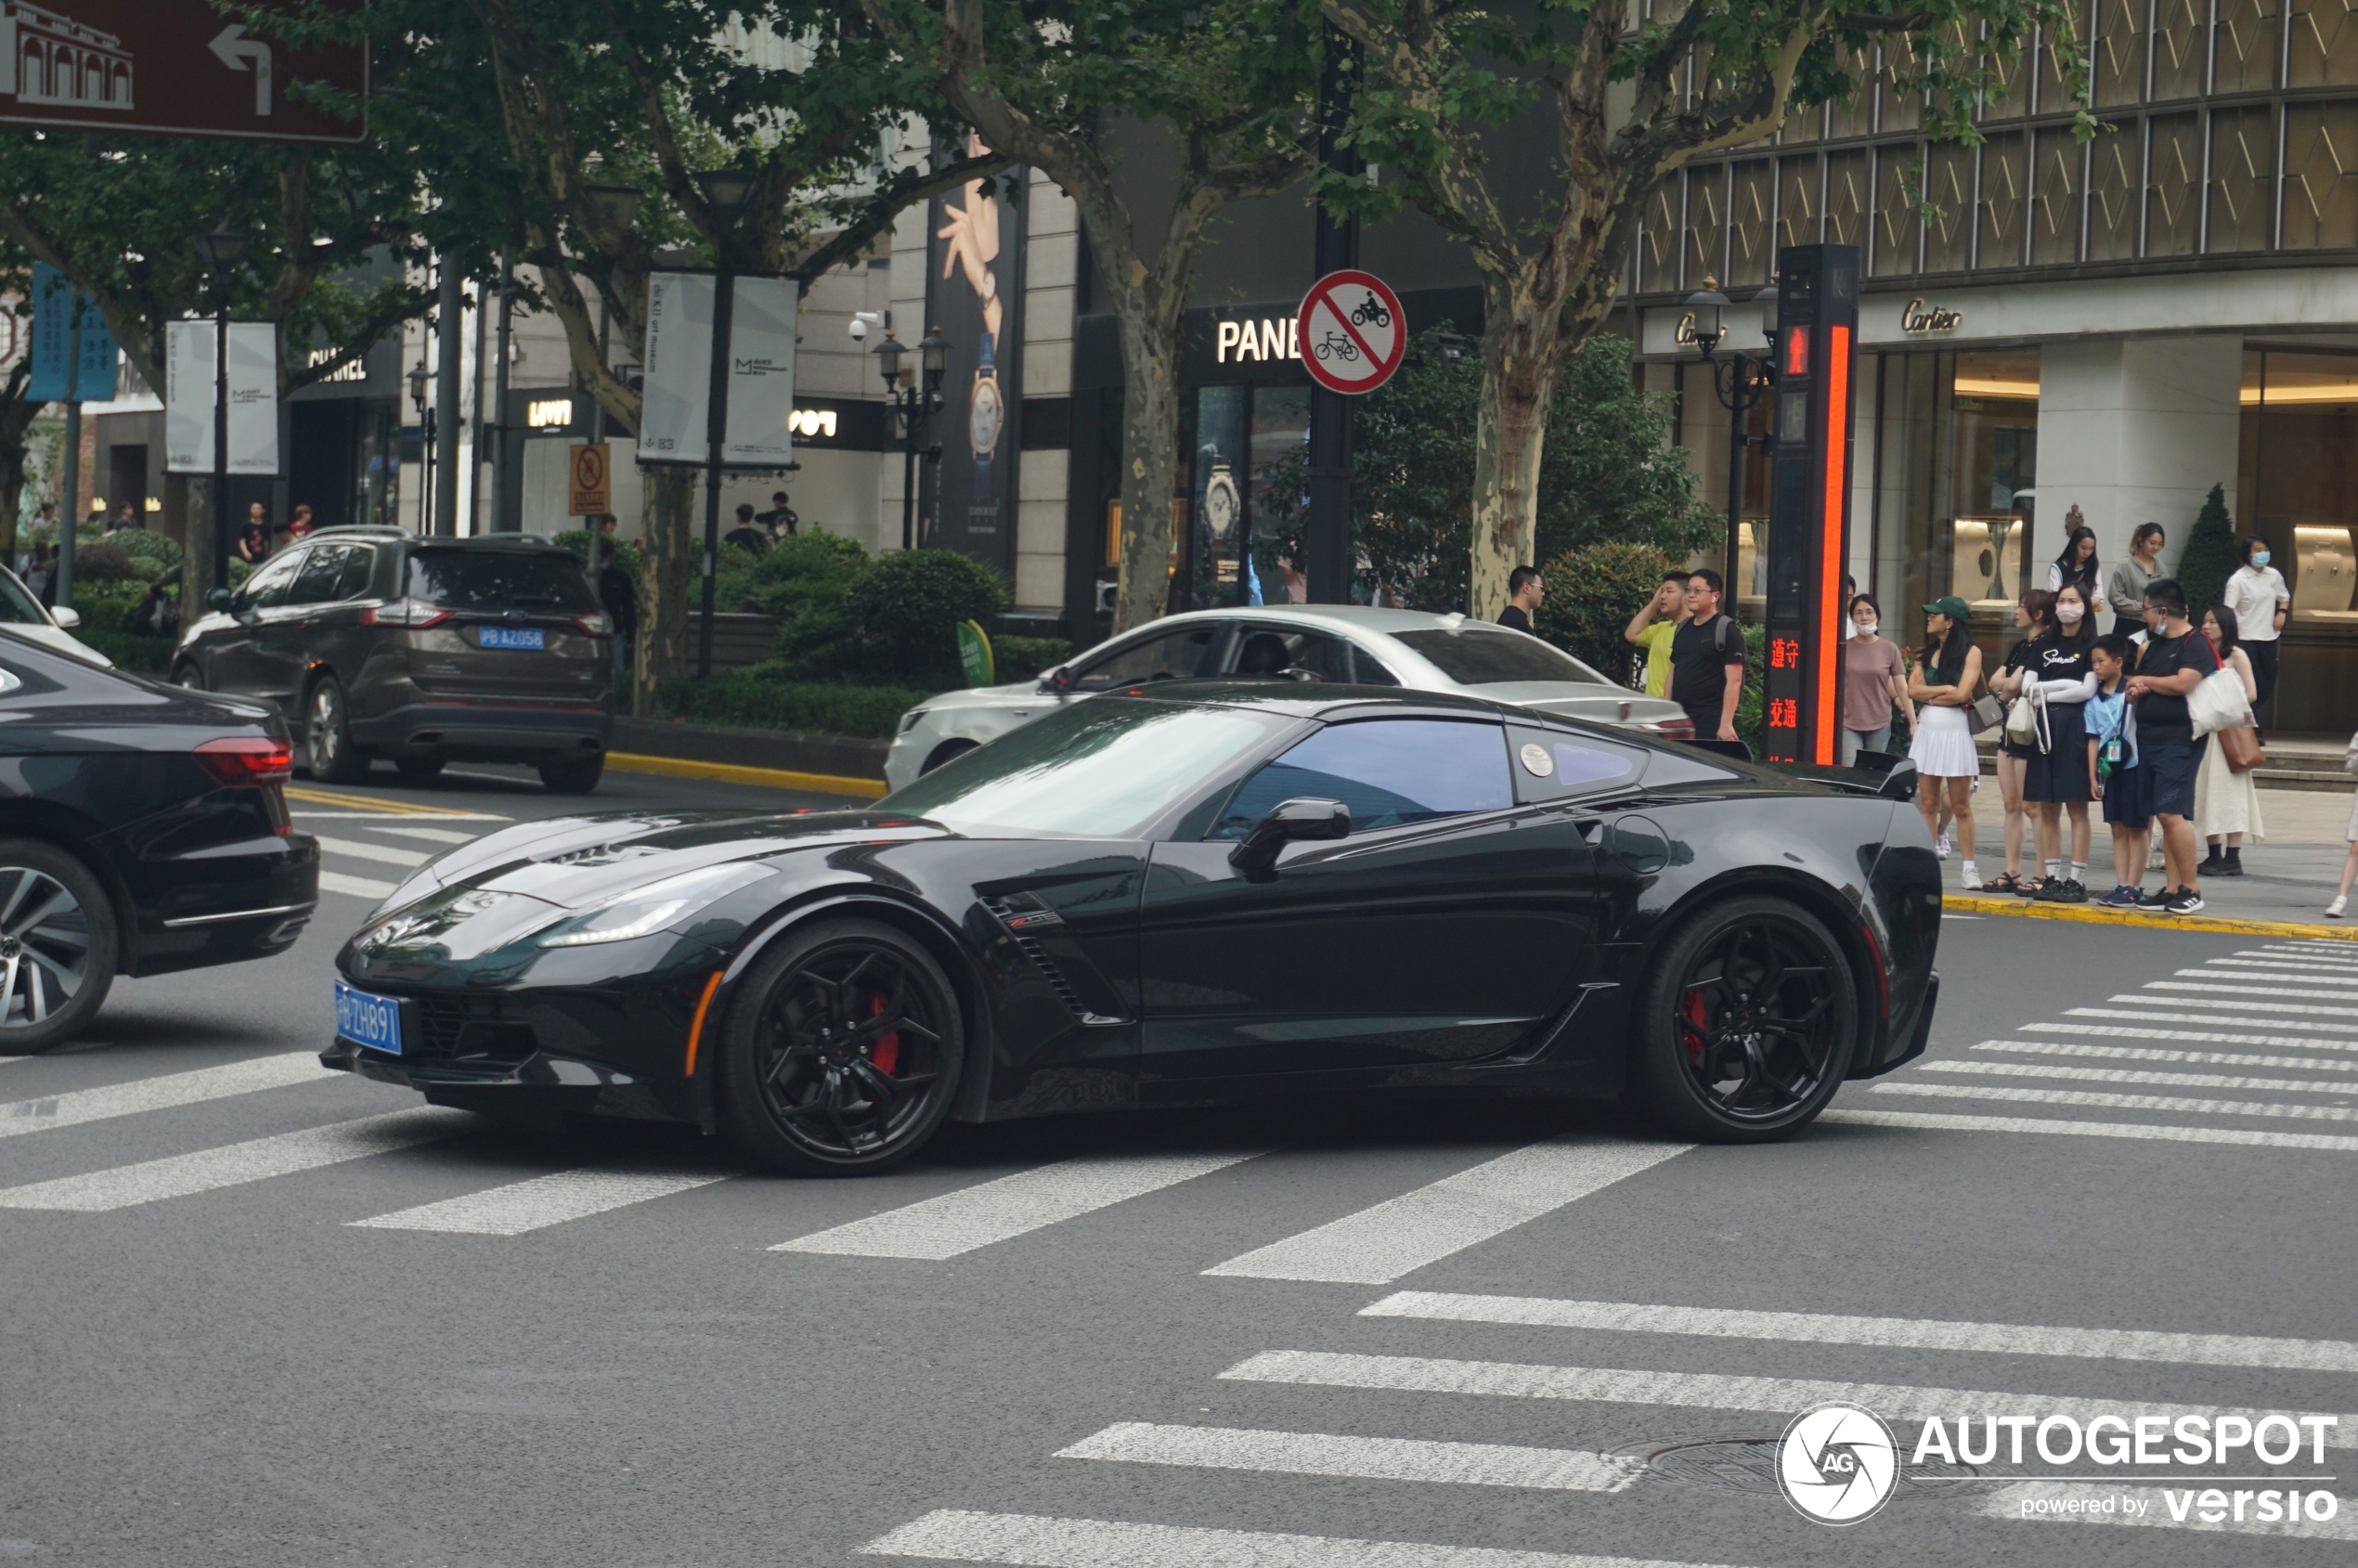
(2004, 882)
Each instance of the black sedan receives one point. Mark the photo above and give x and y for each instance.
(142, 831)
(1175, 895)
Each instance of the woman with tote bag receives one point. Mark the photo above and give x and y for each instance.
(2226, 798)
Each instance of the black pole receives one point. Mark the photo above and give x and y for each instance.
(1740, 405)
(907, 398)
(1334, 245)
(502, 520)
(221, 435)
(715, 436)
(68, 515)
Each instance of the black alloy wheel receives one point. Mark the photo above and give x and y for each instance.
(57, 946)
(1748, 1023)
(328, 748)
(842, 1053)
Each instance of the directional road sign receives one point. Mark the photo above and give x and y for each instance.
(174, 67)
(1351, 331)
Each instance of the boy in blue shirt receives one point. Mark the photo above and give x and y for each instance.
(2114, 776)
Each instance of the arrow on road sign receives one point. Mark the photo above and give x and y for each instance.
(233, 48)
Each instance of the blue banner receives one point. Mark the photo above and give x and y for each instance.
(69, 358)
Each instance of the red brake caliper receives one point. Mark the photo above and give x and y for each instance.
(1695, 1021)
(885, 1050)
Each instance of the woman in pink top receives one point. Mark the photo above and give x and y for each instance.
(1873, 680)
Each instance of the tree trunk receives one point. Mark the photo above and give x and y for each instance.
(16, 424)
(669, 550)
(1150, 447)
(196, 551)
(1510, 435)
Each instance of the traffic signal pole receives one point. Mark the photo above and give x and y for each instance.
(1335, 246)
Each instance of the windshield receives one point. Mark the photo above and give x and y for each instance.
(1101, 769)
(500, 579)
(1481, 655)
(17, 606)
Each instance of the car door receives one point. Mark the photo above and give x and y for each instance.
(234, 662)
(283, 640)
(1264, 650)
(1181, 654)
(1451, 925)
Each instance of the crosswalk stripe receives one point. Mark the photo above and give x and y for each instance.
(1898, 1333)
(2140, 1033)
(960, 1536)
(1372, 1459)
(1946, 1123)
(180, 1175)
(2144, 1075)
(1696, 1391)
(960, 1222)
(2258, 990)
(2049, 1501)
(2268, 963)
(2325, 951)
(2203, 1002)
(359, 887)
(2336, 984)
(396, 816)
(429, 835)
(77, 1106)
(1378, 1245)
(519, 1207)
(2173, 1103)
(358, 850)
(2151, 1053)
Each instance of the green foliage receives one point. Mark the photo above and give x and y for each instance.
(624, 551)
(104, 604)
(1752, 706)
(162, 548)
(905, 610)
(757, 699)
(141, 656)
(1592, 594)
(1022, 658)
(2210, 556)
(102, 561)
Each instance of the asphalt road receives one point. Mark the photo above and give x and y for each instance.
(241, 1322)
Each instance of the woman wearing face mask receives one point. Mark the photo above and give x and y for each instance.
(2076, 565)
(2056, 780)
(2261, 602)
(2034, 617)
(2226, 802)
(1873, 681)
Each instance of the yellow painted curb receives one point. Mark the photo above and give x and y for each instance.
(729, 772)
(2091, 914)
(405, 807)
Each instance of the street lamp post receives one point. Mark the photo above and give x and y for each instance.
(911, 405)
(223, 249)
(419, 377)
(724, 197)
(1740, 381)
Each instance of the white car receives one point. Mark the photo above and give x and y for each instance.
(1345, 643)
(25, 616)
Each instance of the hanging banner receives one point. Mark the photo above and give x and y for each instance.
(761, 332)
(977, 286)
(191, 380)
(674, 424)
(73, 354)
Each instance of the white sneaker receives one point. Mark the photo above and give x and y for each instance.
(1942, 847)
(2333, 909)
(1972, 878)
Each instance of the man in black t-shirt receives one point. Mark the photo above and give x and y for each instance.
(1707, 661)
(744, 535)
(1523, 592)
(2175, 660)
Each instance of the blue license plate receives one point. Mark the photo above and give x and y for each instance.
(367, 1019)
(511, 637)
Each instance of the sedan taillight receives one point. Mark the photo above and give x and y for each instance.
(598, 624)
(1681, 729)
(247, 762)
(404, 612)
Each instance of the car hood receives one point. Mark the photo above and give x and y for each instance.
(63, 641)
(1603, 704)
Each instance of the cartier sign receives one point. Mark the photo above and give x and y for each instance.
(1918, 317)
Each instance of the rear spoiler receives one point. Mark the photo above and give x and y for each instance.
(1878, 773)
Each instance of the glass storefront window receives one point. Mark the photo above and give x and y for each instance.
(1221, 469)
(2298, 480)
(1993, 455)
(1280, 432)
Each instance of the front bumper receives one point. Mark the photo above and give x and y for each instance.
(487, 731)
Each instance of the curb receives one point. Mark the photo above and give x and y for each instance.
(2027, 910)
(730, 772)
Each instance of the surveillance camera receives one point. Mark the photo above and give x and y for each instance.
(859, 330)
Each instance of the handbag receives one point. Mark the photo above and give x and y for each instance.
(2218, 701)
(2240, 744)
(2026, 720)
(1987, 714)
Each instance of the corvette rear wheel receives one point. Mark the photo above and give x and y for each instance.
(842, 1051)
(1746, 1024)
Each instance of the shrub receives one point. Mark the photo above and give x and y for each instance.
(757, 699)
(907, 607)
(2209, 559)
(102, 561)
(105, 607)
(141, 656)
(1592, 592)
(137, 542)
(802, 581)
(1022, 658)
(148, 569)
(626, 551)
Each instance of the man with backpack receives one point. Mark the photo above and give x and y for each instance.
(1707, 661)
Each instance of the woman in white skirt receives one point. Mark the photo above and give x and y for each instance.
(2226, 802)
(1947, 671)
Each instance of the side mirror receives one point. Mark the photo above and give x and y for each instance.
(217, 600)
(1287, 822)
(1056, 683)
(67, 617)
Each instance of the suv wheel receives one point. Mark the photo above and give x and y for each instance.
(189, 677)
(419, 769)
(327, 737)
(575, 775)
(57, 946)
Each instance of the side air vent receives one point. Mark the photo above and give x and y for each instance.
(1022, 915)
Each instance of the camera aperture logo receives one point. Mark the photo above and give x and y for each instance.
(1837, 1464)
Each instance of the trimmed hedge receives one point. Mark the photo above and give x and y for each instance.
(752, 700)
(1022, 658)
(140, 656)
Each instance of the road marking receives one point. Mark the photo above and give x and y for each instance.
(356, 887)
(2275, 964)
(78, 1106)
(1372, 1459)
(2273, 978)
(543, 1201)
(385, 852)
(2330, 952)
(1696, 1391)
(2142, 1075)
(2148, 1054)
(1943, 1122)
(1378, 1245)
(1900, 1333)
(390, 807)
(960, 1222)
(2228, 1006)
(2188, 1034)
(2174, 1103)
(2022, 1500)
(2259, 990)
(394, 816)
(959, 1536)
(431, 835)
(181, 1175)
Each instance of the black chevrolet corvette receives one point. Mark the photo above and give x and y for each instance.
(1173, 895)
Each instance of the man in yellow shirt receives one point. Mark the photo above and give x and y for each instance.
(1670, 600)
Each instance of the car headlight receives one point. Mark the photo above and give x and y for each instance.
(651, 908)
(909, 720)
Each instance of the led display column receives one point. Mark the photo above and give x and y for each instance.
(1810, 501)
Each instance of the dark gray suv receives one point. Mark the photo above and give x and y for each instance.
(375, 643)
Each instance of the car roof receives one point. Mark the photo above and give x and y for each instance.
(435, 541)
(1360, 618)
(1321, 700)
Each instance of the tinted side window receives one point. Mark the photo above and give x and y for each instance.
(1177, 655)
(1551, 764)
(1271, 650)
(268, 587)
(1386, 771)
(316, 584)
(359, 566)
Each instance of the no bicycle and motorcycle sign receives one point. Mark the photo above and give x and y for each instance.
(1351, 331)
